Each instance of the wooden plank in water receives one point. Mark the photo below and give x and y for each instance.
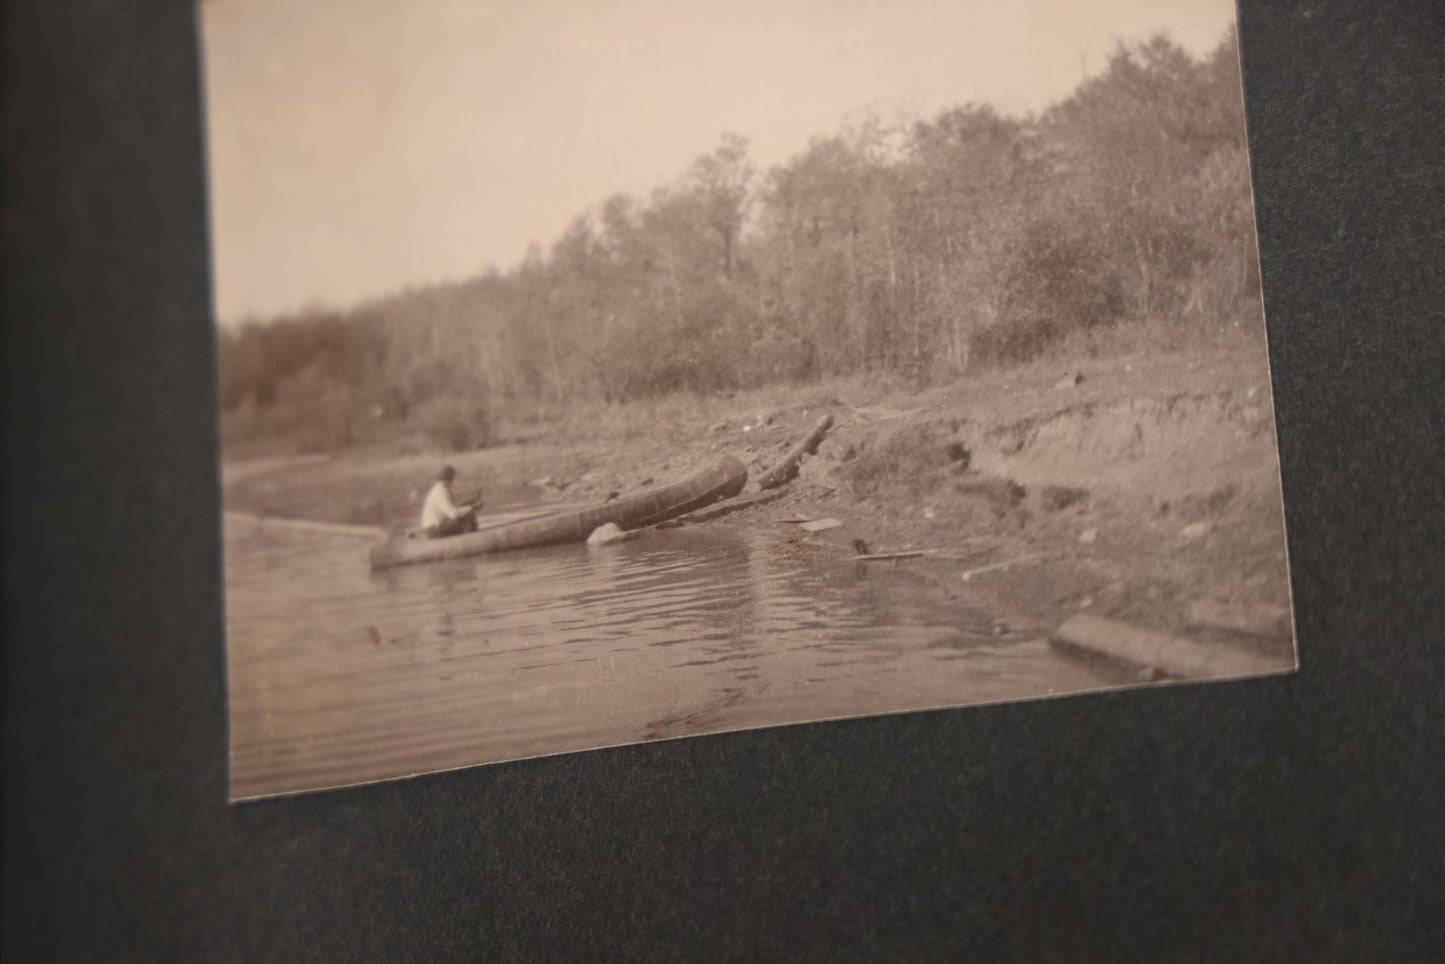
(1183, 658)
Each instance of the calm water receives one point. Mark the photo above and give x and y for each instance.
(338, 675)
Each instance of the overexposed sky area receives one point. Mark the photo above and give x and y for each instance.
(360, 146)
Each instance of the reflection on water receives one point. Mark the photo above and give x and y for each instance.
(338, 675)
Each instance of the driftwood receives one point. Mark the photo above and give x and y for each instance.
(973, 556)
(718, 511)
(874, 556)
(1270, 622)
(1171, 655)
(1031, 557)
(787, 469)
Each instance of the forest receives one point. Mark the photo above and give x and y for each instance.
(926, 250)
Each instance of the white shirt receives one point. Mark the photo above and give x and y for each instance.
(439, 506)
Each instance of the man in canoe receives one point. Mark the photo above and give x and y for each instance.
(441, 516)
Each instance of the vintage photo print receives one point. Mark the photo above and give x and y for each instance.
(594, 373)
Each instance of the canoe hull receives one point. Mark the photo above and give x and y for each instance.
(721, 480)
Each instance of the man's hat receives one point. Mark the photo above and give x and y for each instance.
(447, 473)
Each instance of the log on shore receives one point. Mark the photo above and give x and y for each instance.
(718, 511)
(1183, 658)
(787, 469)
(1269, 622)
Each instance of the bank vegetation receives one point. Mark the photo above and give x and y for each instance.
(923, 251)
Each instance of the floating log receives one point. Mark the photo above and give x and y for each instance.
(787, 469)
(1183, 658)
(1270, 622)
(820, 525)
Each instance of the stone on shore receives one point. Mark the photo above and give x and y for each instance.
(606, 535)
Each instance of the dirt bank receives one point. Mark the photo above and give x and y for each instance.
(1130, 487)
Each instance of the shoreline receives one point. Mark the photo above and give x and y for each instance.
(1131, 487)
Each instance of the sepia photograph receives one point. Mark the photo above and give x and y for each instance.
(599, 373)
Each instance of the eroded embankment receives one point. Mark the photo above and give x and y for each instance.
(1160, 449)
(1134, 508)
(1155, 449)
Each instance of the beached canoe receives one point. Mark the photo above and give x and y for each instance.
(721, 480)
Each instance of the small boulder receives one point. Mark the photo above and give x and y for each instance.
(1089, 536)
(606, 535)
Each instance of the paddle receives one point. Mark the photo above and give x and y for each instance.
(467, 509)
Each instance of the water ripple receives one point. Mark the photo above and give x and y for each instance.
(338, 675)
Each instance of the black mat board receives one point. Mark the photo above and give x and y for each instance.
(1292, 818)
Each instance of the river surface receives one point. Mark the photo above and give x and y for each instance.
(338, 675)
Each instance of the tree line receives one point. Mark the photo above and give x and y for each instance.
(926, 249)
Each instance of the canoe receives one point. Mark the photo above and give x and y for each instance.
(721, 480)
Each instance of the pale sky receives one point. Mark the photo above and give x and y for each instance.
(360, 146)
